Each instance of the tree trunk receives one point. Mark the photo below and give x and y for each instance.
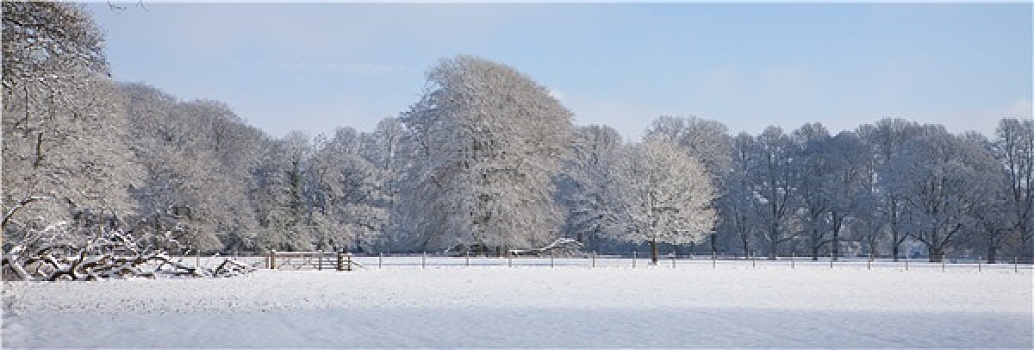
(992, 255)
(836, 245)
(894, 229)
(746, 245)
(936, 253)
(894, 249)
(814, 249)
(654, 258)
(872, 247)
(773, 242)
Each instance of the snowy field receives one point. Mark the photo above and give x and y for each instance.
(449, 305)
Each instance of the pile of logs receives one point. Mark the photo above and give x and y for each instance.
(560, 247)
(108, 254)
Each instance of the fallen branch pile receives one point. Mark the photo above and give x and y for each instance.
(53, 254)
(559, 247)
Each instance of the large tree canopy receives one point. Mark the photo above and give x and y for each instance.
(489, 140)
(59, 38)
(63, 121)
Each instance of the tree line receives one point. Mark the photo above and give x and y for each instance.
(486, 160)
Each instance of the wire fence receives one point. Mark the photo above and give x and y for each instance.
(347, 262)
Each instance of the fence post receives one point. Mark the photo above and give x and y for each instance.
(1016, 264)
(906, 261)
(272, 259)
(714, 260)
(423, 261)
(551, 263)
(868, 263)
(348, 261)
(467, 261)
(980, 266)
(593, 256)
(942, 262)
(509, 259)
(380, 260)
(633, 258)
(830, 261)
(673, 256)
(793, 261)
(753, 260)
(340, 261)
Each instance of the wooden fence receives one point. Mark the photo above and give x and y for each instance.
(317, 260)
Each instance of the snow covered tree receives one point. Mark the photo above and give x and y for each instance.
(1014, 148)
(386, 149)
(942, 179)
(886, 139)
(773, 179)
(58, 38)
(666, 196)
(994, 223)
(850, 185)
(64, 155)
(490, 141)
(383, 146)
(814, 184)
(198, 157)
(587, 182)
(706, 140)
(709, 142)
(279, 194)
(736, 206)
(347, 194)
(320, 193)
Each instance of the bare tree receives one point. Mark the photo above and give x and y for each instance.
(813, 172)
(887, 138)
(942, 178)
(736, 206)
(774, 181)
(1014, 148)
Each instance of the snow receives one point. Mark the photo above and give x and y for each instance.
(531, 305)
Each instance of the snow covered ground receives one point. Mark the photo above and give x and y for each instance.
(531, 305)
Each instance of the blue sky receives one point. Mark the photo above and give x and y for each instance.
(314, 67)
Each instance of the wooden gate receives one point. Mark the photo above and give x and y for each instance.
(317, 260)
